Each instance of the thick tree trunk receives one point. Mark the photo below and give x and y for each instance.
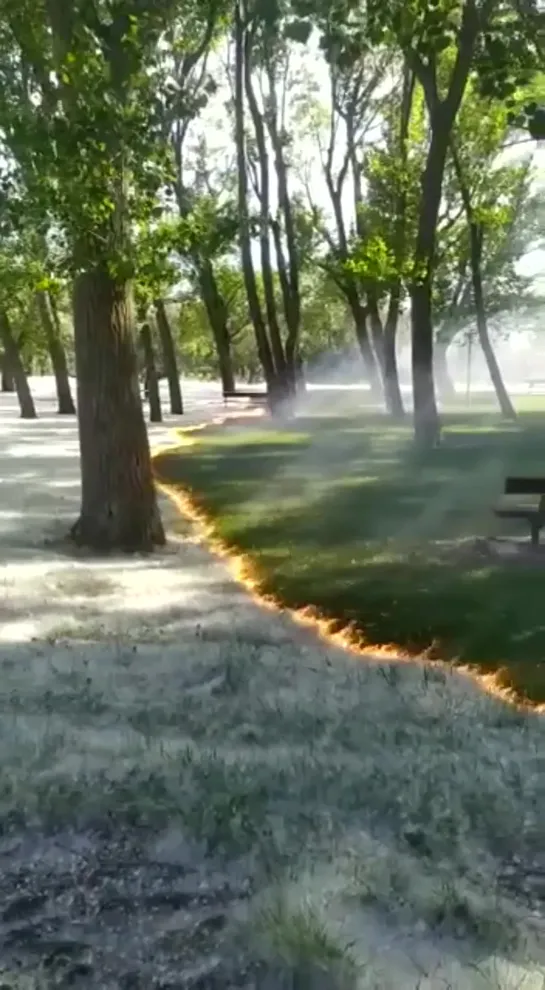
(504, 401)
(169, 358)
(119, 508)
(152, 378)
(7, 383)
(57, 354)
(445, 385)
(15, 364)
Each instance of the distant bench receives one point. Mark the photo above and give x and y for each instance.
(533, 513)
(258, 398)
(536, 383)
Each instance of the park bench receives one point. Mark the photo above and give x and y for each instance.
(534, 383)
(531, 507)
(258, 398)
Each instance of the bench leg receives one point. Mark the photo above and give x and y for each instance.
(534, 534)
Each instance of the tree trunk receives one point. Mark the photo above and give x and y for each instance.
(119, 508)
(504, 401)
(442, 113)
(445, 385)
(288, 268)
(7, 382)
(476, 235)
(151, 376)
(225, 359)
(427, 427)
(273, 325)
(169, 358)
(254, 306)
(57, 354)
(362, 336)
(14, 363)
(392, 390)
(216, 310)
(377, 333)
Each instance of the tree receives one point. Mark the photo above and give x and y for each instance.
(494, 220)
(209, 226)
(490, 195)
(441, 43)
(91, 147)
(56, 350)
(241, 46)
(352, 85)
(14, 362)
(156, 275)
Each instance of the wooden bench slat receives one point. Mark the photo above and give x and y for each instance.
(519, 513)
(524, 486)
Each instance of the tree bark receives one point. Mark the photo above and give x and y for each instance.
(152, 378)
(375, 326)
(392, 390)
(445, 385)
(119, 508)
(57, 354)
(506, 406)
(169, 357)
(7, 383)
(273, 325)
(256, 315)
(15, 364)
(359, 316)
(216, 310)
(442, 113)
(384, 345)
(427, 426)
(476, 235)
(288, 268)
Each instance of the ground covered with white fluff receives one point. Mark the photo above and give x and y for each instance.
(196, 793)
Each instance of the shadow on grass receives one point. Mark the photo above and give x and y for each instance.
(343, 515)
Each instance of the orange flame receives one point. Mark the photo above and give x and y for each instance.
(327, 630)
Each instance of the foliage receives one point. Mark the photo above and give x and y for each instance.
(80, 116)
(100, 162)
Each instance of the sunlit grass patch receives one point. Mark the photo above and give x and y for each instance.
(340, 513)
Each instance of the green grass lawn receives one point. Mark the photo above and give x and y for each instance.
(340, 512)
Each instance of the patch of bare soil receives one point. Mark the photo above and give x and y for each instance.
(118, 910)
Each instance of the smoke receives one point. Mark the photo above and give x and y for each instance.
(338, 438)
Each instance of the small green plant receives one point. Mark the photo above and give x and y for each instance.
(297, 942)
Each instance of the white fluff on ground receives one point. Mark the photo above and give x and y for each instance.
(173, 658)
